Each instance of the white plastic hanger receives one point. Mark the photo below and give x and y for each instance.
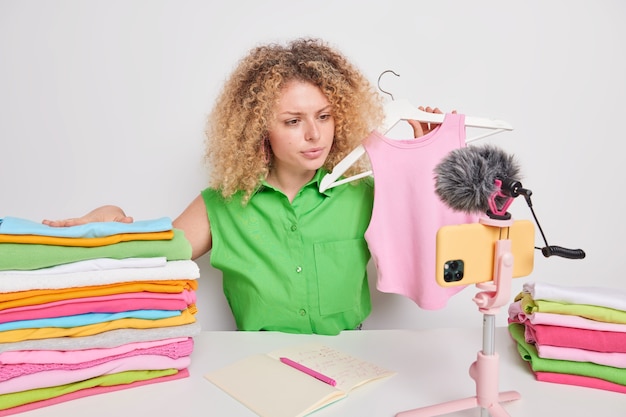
(396, 111)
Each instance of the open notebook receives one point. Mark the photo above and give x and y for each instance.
(271, 388)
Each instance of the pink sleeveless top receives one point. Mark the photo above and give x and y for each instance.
(407, 213)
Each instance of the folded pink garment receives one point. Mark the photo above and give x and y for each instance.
(62, 377)
(183, 373)
(614, 359)
(113, 303)
(565, 320)
(172, 350)
(43, 356)
(580, 380)
(517, 315)
(599, 341)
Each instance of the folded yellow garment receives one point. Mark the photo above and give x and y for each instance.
(10, 336)
(86, 241)
(36, 297)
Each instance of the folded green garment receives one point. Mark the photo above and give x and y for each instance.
(25, 397)
(25, 256)
(528, 352)
(589, 311)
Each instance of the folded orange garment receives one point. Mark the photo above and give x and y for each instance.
(35, 297)
(10, 336)
(86, 241)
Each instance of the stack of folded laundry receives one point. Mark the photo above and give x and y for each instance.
(91, 309)
(572, 335)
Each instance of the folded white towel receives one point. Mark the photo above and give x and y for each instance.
(596, 296)
(172, 270)
(108, 339)
(93, 265)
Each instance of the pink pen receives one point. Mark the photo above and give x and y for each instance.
(309, 371)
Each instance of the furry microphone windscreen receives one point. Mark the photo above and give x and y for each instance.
(464, 179)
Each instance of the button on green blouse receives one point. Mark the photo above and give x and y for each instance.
(297, 267)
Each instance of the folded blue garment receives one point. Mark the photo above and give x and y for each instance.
(18, 226)
(87, 319)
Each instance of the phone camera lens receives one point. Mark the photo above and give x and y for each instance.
(453, 271)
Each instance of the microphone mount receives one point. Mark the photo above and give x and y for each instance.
(514, 188)
(499, 202)
(508, 189)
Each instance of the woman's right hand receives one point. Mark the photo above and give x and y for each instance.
(101, 214)
(420, 129)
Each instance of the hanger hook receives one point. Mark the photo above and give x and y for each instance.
(380, 76)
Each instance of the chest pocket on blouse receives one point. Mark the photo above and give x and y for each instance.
(341, 273)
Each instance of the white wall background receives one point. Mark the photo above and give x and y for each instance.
(104, 102)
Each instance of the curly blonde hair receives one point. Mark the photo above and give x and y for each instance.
(238, 124)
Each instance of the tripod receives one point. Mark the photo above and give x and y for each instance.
(484, 371)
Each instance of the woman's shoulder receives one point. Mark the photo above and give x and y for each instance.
(365, 184)
(214, 197)
(211, 192)
(358, 189)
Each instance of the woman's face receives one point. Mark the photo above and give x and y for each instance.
(303, 129)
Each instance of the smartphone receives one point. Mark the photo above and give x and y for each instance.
(466, 252)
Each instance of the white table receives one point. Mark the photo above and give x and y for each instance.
(432, 367)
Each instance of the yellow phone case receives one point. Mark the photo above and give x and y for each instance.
(465, 252)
